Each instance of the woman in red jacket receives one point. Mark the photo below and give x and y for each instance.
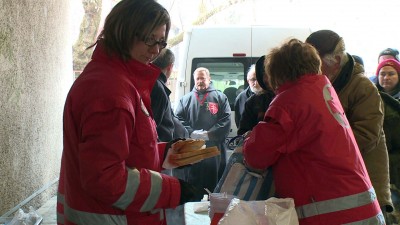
(306, 139)
(111, 161)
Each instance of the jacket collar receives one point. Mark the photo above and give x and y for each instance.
(162, 77)
(345, 74)
(143, 76)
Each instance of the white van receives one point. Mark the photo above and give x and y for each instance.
(228, 53)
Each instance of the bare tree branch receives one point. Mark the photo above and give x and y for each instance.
(202, 19)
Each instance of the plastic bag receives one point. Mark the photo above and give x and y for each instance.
(22, 218)
(273, 211)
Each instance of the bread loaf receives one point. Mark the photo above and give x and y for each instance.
(187, 145)
(181, 159)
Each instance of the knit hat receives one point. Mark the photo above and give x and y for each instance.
(389, 62)
(260, 71)
(358, 59)
(390, 51)
(324, 41)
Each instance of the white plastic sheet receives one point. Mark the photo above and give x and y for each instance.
(273, 211)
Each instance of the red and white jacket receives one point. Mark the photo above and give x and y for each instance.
(111, 161)
(306, 139)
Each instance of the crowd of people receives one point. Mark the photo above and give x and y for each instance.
(308, 111)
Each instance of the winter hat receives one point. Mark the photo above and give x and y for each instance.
(389, 62)
(324, 41)
(260, 71)
(390, 51)
(358, 59)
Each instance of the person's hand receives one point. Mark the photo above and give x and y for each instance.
(200, 134)
(190, 193)
(169, 145)
(168, 151)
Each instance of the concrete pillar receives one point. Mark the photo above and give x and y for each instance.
(35, 76)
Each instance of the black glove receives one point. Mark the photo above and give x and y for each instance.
(387, 208)
(169, 144)
(190, 193)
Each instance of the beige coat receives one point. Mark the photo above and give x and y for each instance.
(364, 110)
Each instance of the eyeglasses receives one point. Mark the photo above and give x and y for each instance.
(151, 42)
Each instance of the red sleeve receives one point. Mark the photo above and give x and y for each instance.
(268, 139)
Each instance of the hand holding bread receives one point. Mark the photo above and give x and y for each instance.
(188, 151)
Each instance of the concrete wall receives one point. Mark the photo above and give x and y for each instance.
(35, 75)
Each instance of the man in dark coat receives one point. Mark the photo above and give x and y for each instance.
(257, 104)
(241, 99)
(205, 112)
(168, 126)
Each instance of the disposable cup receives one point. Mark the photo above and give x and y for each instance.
(218, 203)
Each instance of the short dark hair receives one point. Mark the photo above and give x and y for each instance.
(130, 20)
(164, 59)
(291, 61)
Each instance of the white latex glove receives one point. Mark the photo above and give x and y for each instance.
(200, 134)
(196, 134)
(204, 135)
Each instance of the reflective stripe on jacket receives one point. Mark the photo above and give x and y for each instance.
(342, 203)
(87, 218)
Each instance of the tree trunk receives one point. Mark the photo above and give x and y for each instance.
(87, 34)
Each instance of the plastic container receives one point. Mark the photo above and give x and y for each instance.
(7, 220)
(218, 204)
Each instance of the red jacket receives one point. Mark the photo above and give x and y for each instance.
(111, 160)
(306, 139)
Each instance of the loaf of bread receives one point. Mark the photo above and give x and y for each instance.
(190, 151)
(188, 145)
(194, 157)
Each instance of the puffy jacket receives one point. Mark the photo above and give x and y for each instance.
(365, 111)
(111, 162)
(309, 144)
(391, 126)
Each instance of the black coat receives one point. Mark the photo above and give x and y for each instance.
(391, 126)
(239, 104)
(210, 113)
(168, 127)
(254, 110)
